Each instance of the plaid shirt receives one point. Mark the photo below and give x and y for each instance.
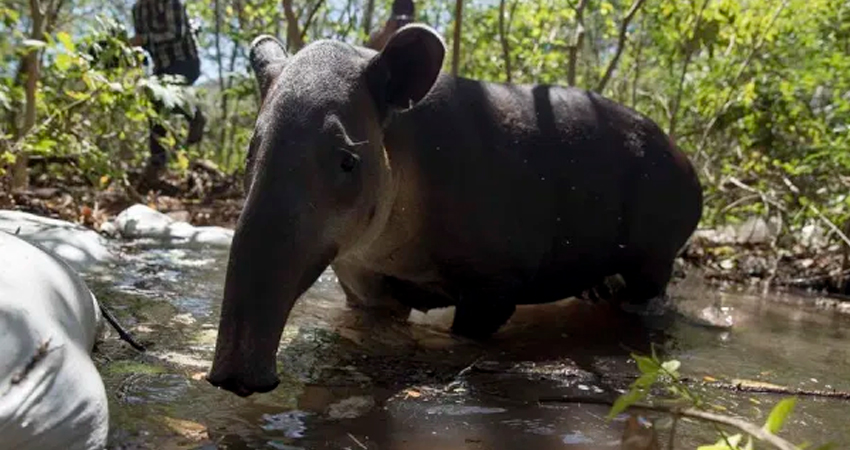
(165, 30)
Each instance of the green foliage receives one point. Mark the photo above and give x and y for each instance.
(756, 92)
(94, 112)
(779, 415)
(654, 372)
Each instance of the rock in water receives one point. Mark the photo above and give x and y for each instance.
(140, 221)
(79, 246)
(51, 395)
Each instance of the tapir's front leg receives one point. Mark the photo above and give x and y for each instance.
(367, 290)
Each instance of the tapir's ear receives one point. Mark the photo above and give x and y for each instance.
(406, 69)
(267, 57)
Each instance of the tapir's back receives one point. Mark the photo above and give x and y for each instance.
(537, 177)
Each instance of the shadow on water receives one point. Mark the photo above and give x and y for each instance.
(348, 381)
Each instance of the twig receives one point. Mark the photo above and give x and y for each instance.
(118, 328)
(670, 442)
(745, 386)
(805, 281)
(310, 17)
(765, 198)
(39, 355)
(738, 202)
(830, 224)
(692, 413)
(768, 389)
(357, 442)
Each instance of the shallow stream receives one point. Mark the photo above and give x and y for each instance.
(348, 383)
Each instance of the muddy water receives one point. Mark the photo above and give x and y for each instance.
(351, 383)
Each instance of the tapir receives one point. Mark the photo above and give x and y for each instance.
(424, 190)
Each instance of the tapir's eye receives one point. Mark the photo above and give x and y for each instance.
(349, 161)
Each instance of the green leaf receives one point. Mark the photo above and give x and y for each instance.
(646, 380)
(64, 62)
(65, 39)
(76, 95)
(624, 401)
(779, 414)
(828, 446)
(645, 364)
(671, 366)
(721, 443)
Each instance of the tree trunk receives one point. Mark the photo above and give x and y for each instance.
(20, 174)
(221, 86)
(293, 30)
(578, 39)
(677, 100)
(367, 18)
(456, 39)
(503, 37)
(637, 67)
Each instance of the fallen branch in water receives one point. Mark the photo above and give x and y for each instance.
(360, 444)
(691, 413)
(122, 333)
(744, 386)
(756, 387)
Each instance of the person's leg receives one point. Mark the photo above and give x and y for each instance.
(190, 70)
(158, 154)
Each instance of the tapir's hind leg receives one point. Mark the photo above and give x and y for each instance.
(479, 320)
(645, 280)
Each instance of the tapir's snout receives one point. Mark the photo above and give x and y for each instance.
(240, 384)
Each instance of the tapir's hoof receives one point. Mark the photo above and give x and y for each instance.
(239, 388)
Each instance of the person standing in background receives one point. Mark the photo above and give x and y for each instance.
(162, 28)
(403, 13)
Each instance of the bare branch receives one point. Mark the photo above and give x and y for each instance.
(310, 18)
(621, 43)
